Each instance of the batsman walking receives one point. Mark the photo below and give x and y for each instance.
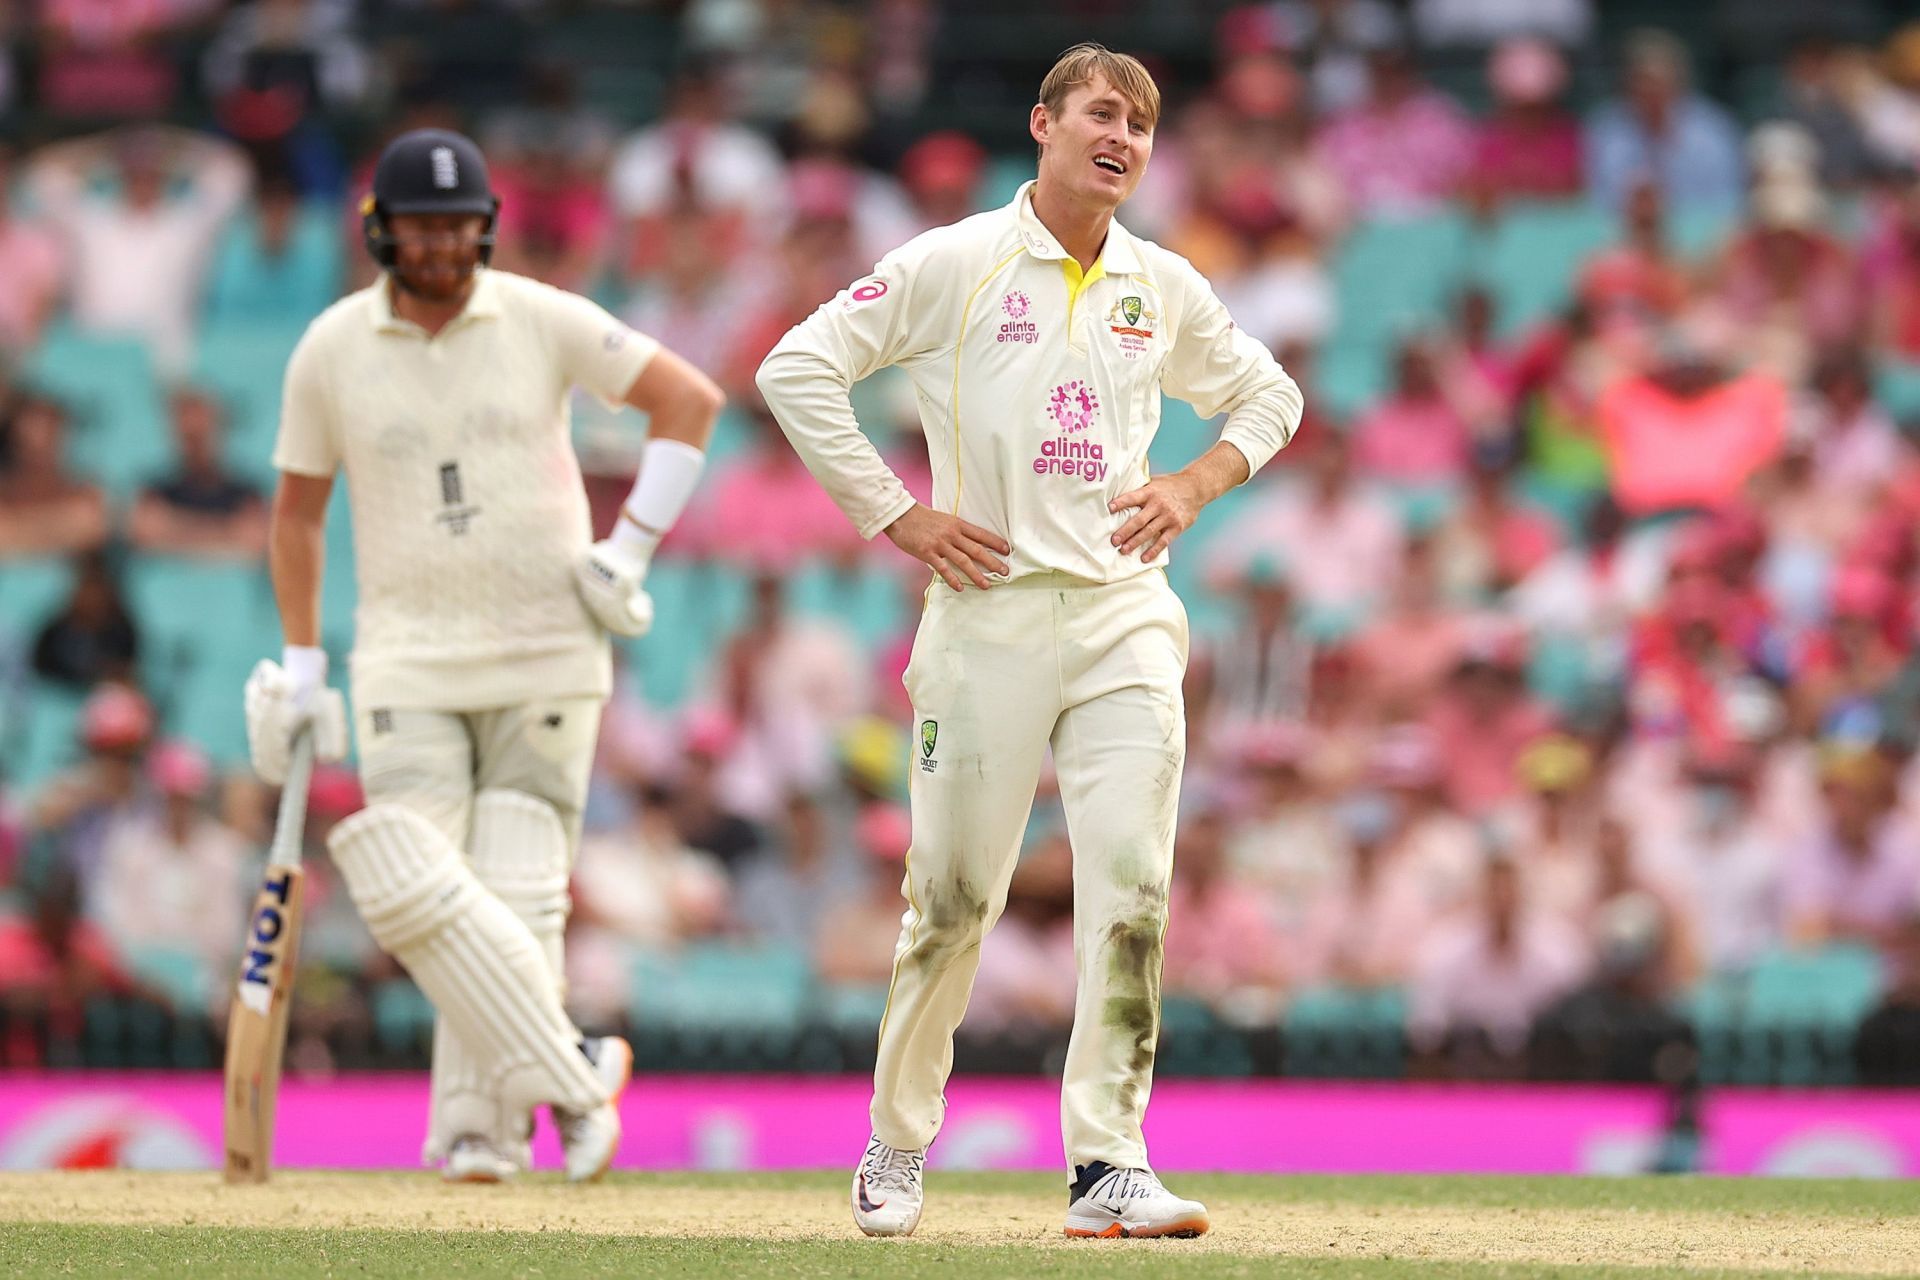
(480, 660)
(1039, 338)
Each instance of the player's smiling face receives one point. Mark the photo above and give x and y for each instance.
(435, 254)
(1097, 147)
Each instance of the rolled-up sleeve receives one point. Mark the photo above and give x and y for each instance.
(1216, 367)
(807, 376)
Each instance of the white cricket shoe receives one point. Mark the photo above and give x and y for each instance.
(472, 1158)
(589, 1138)
(887, 1191)
(1109, 1202)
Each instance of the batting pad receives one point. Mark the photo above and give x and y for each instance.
(519, 850)
(476, 960)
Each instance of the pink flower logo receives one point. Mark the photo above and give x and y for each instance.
(1016, 305)
(1073, 405)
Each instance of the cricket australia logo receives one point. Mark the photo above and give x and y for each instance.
(456, 516)
(929, 734)
(1074, 408)
(1132, 325)
(1017, 327)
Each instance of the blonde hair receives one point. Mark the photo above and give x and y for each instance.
(1080, 64)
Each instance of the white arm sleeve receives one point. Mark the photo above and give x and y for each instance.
(806, 378)
(1215, 365)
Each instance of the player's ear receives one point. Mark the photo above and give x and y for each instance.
(1038, 123)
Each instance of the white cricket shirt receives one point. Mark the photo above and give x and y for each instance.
(468, 509)
(1039, 385)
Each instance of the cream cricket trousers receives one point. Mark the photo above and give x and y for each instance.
(435, 763)
(996, 676)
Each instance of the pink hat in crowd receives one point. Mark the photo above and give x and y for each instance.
(179, 768)
(115, 717)
(822, 189)
(884, 832)
(710, 732)
(945, 161)
(1279, 745)
(1526, 69)
(1862, 591)
(1695, 600)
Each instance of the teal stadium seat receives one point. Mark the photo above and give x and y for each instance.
(203, 624)
(1531, 259)
(1395, 276)
(728, 1004)
(44, 736)
(1897, 385)
(32, 589)
(1345, 1032)
(246, 286)
(402, 1018)
(1789, 1021)
(1815, 1001)
(119, 433)
(244, 362)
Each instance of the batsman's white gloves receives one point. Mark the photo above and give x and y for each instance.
(610, 578)
(280, 699)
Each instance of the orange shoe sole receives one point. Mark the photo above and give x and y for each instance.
(1182, 1229)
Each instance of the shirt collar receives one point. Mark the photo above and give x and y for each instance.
(1118, 253)
(482, 304)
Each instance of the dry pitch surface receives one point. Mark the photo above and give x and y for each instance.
(408, 1224)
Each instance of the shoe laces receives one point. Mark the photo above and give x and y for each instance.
(891, 1169)
(1130, 1184)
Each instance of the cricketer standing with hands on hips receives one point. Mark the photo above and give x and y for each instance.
(481, 659)
(1039, 338)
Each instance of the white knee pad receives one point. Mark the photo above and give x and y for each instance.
(475, 959)
(519, 850)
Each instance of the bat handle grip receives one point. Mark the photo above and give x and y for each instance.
(289, 829)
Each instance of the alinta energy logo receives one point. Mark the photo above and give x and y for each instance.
(1017, 328)
(1074, 409)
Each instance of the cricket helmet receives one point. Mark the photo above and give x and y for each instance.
(427, 171)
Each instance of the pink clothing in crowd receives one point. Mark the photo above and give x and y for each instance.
(1462, 981)
(1670, 451)
(1400, 160)
(1220, 938)
(1413, 441)
(1479, 754)
(1340, 555)
(1539, 159)
(1855, 895)
(1365, 935)
(32, 265)
(766, 513)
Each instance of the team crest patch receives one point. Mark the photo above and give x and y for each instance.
(1132, 324)
(929, 734)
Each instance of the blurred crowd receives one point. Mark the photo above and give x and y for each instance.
(1569, 672)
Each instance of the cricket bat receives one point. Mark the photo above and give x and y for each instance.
(257, 1022)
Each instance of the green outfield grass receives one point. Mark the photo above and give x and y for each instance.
(704, 1225)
